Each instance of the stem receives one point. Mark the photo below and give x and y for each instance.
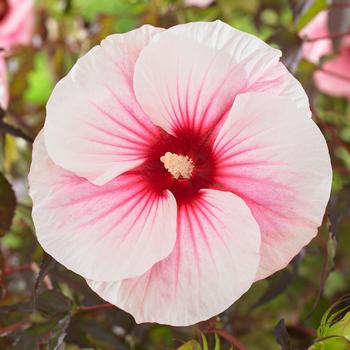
(95, 307)
(9, 129)
(230, 339)
(12, 270)
(14, 327)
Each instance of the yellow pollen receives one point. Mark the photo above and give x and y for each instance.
(178, 165)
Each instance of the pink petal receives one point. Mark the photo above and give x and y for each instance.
(118, 230)
(277, 160)
(278, 81)
(94, 125)
(189, 75)
(4, 94)
(334, 79)
(317, 28)
(214, 262)
(17, 27)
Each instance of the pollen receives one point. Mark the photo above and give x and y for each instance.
(178, 165)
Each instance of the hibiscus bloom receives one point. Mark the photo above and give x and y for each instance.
(334, 77)
(16, 22)
(176, 167)
(4, 97)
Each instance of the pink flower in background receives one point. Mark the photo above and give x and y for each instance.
(16, 22)
(334, 77)
(176, 167)
(198, 3)
(4, 97)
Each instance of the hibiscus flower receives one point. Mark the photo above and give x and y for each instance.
(333, 77)
(16, 22)
(176, 167)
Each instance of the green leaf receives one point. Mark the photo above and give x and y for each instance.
(40, 81)
(33, 337)
(7, 205)
(90, 9)
(53, 302)
(191, 345)
(51, 334)
(87, 332)
(23, 307)
(331, 343)
(299, 7)
(217, 342)
(334, 330)
(204, 342)
(59, 333)
(278, 283)
(317, 6)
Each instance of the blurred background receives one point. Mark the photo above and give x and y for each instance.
(45, 306)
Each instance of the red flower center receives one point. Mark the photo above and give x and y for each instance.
(186, 143)
(4, 8)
